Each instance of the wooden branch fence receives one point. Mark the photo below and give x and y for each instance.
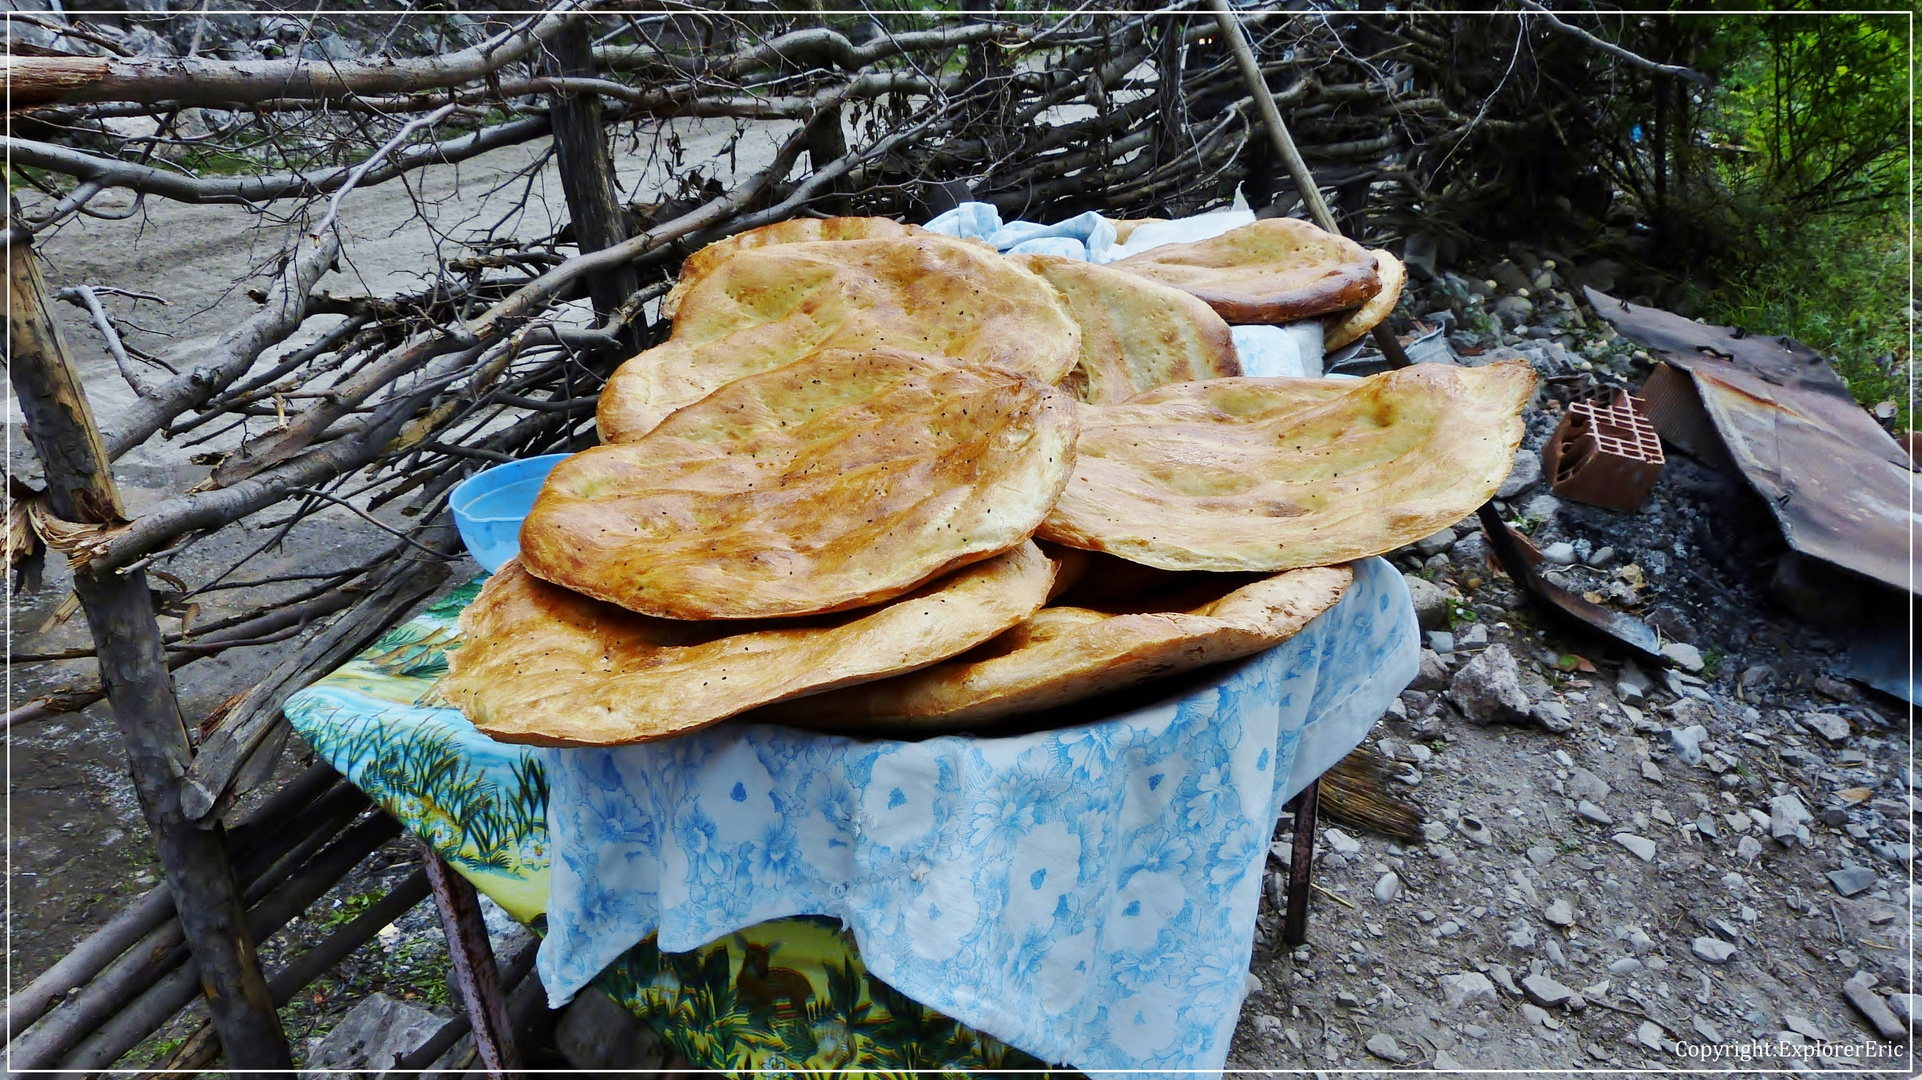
(1133, 114)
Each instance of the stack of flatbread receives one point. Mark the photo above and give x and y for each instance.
(888, 482)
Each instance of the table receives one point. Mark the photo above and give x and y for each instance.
(773, 898)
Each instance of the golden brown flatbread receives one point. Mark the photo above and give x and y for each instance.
(1126, 228)
(1272, 271)
(769, 306)
(1272, 474)
(792, 231)
(1136, 334)
(539, 664)
(1066, 654)
(846, 478)
(1347, 327)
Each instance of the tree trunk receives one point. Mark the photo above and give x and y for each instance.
(133, 669)
(587, 174)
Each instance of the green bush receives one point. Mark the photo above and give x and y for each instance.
(1810, 121)
(1837, 284)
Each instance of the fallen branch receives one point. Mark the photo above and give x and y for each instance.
(173, 992)
(235, 351)
(1616, 51)
(209, 780)
(84, 296)
(36, 80)
(358, 172)
(253, 190)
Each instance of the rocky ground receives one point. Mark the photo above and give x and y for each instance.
(1624, 865)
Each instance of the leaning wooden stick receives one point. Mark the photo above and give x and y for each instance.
(1298, 169)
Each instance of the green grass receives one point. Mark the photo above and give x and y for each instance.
(1838, 285)
(350, 909)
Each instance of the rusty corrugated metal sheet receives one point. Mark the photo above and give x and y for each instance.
(1840, 487)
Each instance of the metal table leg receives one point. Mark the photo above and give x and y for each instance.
(1294, 925)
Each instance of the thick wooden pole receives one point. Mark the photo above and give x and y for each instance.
(827, 144)
(133, 670)
(1298, 170)
(587, 174)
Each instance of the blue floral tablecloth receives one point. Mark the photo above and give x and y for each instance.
(1085, 894)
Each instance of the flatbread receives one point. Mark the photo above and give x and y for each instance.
(1348, 327)
(1136, 334)
(541, 665)
(1272, 474)
(1066, 654)
(846, 478)
(792, 231)
(766, 307)
(1124, 228)
(1272, 271)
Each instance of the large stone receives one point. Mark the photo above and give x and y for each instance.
(373, 1036)
(1431, 602)
(1685, 655)
(1559, 912)
(1804, 1027)
(1851, 879)
(1469, 549)
(1552, 716)
(1384, 1047)
(1466, 987)
(1860, 990)
(1904, 1008)
(596, 1033)
(1488, 689)
(1435, 543)
(1583, 784)
(1525, 474)
(1828, 725)
(1388, 888)
(1561, 553)
(1687, 743)
(1432, 675)
(1786, 814)
(1542, 507)
(1510, 278)
(1713, 950)
(1545, 991)
(1642, 846)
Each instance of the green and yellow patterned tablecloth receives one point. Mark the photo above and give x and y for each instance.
(785, 994)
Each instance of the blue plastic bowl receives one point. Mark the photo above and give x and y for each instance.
(490, 505)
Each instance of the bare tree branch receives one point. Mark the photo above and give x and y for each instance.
(234, 352)
(84, 296)
(1612, 49)
(258, 189)
(39, 80)
(359, 172)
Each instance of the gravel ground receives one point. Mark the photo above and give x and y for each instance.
(1624, 867)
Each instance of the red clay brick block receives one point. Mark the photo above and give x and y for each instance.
(1604, 453)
